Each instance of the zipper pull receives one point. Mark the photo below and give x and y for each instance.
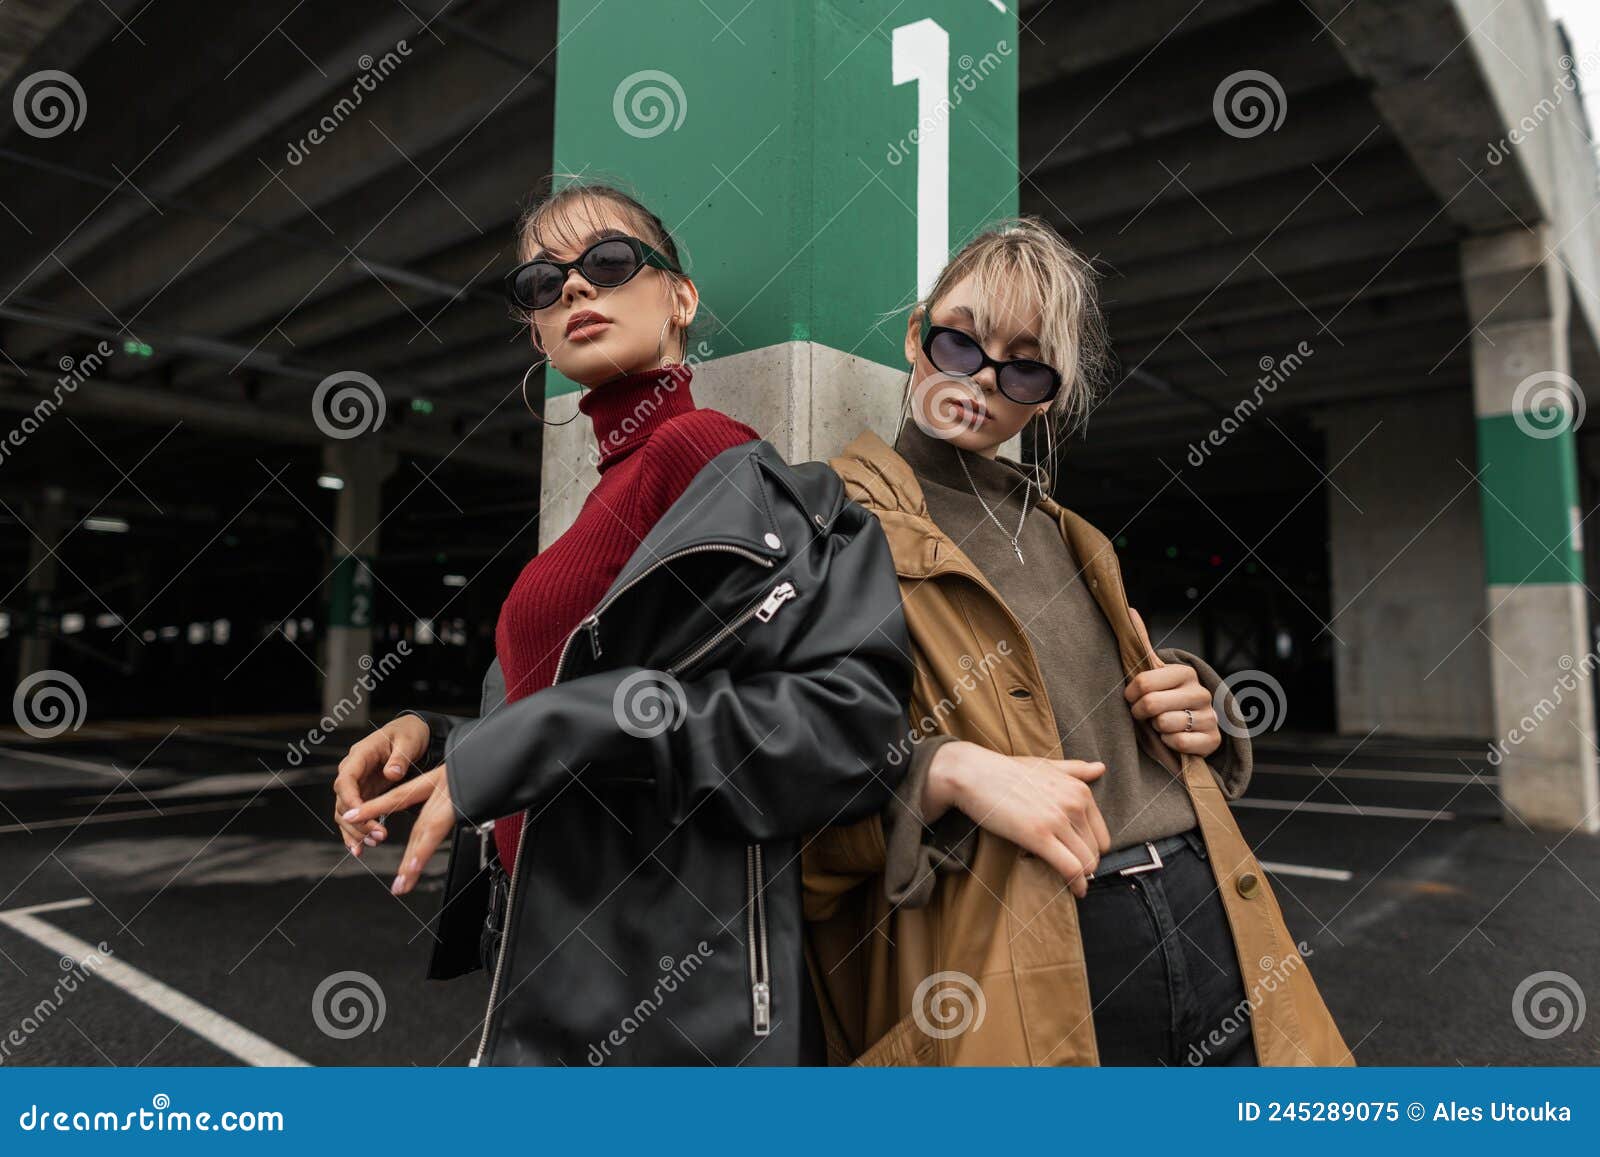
(781, 594)
(761, 998)
(485, 834)
(592, 624)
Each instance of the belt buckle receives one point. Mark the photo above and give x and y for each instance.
(1154, 864)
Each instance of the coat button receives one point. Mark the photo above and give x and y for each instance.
(1248, 884)
(772, 540)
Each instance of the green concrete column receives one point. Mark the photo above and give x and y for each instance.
(36, 627)
(817, 161)
(362, 465)
(1527, 407)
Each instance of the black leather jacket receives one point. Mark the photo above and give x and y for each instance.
(738, 686)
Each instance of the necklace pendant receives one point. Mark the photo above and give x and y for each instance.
(1018, 549)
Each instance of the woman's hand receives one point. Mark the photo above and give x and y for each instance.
(1044, 806)
(434, 822)
(372, 766)
(1172, 699)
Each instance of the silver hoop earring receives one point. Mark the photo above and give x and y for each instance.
(661, 343)
(1050, 449)
(905, 405)
(526, 375)
(1049, 468)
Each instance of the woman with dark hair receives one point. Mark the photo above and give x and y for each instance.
(706, 665)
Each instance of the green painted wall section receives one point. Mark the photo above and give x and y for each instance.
(350, 598)
(774, 143)
(1529, 490)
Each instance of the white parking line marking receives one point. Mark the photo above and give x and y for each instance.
(1344, 809)
(143, 813)
(227, 1035)
(76, 764)
(1488, 781)
(1343, 875)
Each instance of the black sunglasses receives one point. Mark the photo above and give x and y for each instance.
(1023, 380)
(608, 263)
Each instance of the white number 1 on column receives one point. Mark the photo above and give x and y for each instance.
(921, 54)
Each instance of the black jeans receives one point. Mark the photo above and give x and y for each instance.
(1163, 974)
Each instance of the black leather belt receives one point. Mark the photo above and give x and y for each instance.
(1145, 857)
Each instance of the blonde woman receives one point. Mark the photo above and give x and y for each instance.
(1059, 880)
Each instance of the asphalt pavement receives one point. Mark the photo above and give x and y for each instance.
(237, 930)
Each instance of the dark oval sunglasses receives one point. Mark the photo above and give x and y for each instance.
(1023, 380)
(608, 263)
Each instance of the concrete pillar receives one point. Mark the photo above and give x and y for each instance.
(1405, 562)
(1528, 406)
(362, 464)
(817, 163)
(37, 625)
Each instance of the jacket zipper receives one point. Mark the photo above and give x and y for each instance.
(756, 941)
(779, 595)
(591, 624)
(755, 869)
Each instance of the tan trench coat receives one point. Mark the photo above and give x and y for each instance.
(1001, 940)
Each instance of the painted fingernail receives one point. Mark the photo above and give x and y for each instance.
(398, 886)
(369, 841)
(351, 814)
(393, 769)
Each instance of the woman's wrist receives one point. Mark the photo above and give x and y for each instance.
(946, 786)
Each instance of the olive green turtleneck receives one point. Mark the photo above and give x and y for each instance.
(1075, 649)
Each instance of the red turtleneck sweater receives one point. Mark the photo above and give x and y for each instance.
(652, 439)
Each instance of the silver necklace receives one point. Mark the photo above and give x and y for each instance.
(1027, 495)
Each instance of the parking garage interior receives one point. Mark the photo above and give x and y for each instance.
(231, 225)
